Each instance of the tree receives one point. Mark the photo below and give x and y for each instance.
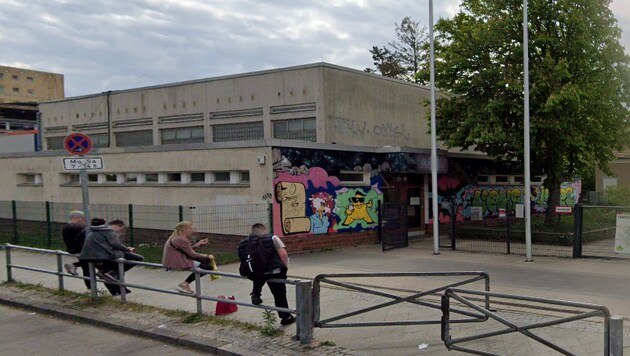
(404, 57)
(579, 74)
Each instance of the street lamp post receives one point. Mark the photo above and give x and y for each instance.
(434, 165)
(527, 178)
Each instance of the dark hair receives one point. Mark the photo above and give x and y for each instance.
(259, 229)
(117, 222)
(97, 222)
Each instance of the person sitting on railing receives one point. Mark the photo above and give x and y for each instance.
(180, 254)
(73, 234)
(102, 246)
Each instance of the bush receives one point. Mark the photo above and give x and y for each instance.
(618, 195)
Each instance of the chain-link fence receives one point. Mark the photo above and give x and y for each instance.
(39, 224)
(602, 231)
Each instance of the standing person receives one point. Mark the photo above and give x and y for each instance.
(180, 254)
(73, 234)
(263, 257)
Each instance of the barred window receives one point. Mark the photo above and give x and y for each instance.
(182, 135)
(134, 138)
(238, 132)
(100, 140)
(55, 143)
(297, 129)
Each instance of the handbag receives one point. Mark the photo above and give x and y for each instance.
(225, 308)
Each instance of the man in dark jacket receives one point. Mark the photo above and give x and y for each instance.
(276, 269)
(73, 234)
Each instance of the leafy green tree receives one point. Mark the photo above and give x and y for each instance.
(579, 75)
(404, 57)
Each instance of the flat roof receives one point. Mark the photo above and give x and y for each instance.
(29, 70)
(243, 75)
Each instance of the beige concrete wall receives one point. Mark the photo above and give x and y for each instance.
(367, 110)
(53, 188)
(44, 85)
(621, 170)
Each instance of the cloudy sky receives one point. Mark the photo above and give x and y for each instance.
(114, 44)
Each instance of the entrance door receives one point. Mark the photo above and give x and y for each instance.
(393, 230)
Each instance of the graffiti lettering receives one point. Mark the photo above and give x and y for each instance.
(391, 130)
(354, 128)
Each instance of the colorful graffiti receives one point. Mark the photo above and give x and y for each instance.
(312, 202)
(492, 198)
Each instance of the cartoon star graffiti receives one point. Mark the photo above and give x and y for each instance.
(358, 209)
(322, 207)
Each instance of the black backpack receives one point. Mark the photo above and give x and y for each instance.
(255, 256)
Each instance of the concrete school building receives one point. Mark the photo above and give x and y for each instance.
(323, 143)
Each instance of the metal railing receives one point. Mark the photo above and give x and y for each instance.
(303, 288)
(613, 326)
(396, 299)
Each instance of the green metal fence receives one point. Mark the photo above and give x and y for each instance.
(39, 224)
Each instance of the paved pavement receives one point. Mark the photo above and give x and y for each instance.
(592, 281)
(26, 333)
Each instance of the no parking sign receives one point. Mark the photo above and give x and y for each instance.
(78, 144)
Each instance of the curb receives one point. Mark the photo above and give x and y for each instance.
(162, 335)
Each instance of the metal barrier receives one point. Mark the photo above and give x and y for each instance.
(303, 288)
(414, 298)
(613, 326)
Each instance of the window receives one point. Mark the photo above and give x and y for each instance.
(71, 178)
(238, 132)
(131, 177)
(30, 179)
(501, 179)
(1, 75)
(55, 143)
(151, 177)
(222, 177)
(1, 89)
(354, 178)
(30, 91)
(16, 90)
(197, 177)
(174, 177)
(93, 178)
(134, 138)
(30, 79)
(100, 140)
(483, 179)
(244, 177)
(182, 135)
(15, 77)
(111, 178)
(538, 179)
(518, 180)
(298, 129)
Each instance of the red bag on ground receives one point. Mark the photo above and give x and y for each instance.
(225, 308)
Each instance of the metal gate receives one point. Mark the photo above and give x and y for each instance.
(393, 230)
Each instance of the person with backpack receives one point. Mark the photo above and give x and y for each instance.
(179, 254)
(263, 257)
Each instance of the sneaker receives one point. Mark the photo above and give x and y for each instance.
(71, 269)
(256, 300)
(185, 287)
(106, 277)
(288, 321)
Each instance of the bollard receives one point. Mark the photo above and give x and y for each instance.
(9, 274)
(304, 301)
(616, 335)
(121, 280)
(93, 289)
(60, 271)
(198, 292)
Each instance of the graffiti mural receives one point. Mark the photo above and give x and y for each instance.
(491, 198)
(309, 201)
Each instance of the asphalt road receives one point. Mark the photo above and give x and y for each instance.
(26, 333)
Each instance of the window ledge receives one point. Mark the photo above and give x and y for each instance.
(30, 185)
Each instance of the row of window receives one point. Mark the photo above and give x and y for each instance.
(17, 77)
(506, 179)
(16, 90)
(215, 177)
(296, 129)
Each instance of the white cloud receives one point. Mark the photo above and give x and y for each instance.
(107, 44)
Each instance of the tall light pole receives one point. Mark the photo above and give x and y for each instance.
(434, 165)
(527, 195)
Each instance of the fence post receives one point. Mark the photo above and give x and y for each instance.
(507, 222)
(453, 222)
(121, 280)
(616, 335)
(270, 210)
(48, 225)
(60, 271)
(380, 222)
(93, 287)
(180, 210)
(577, 231)
(131, 237)
(304, 301)
(198, 292)
(9, 274)
(16, 239)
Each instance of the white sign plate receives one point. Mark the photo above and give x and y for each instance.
(520, 211)
(414, 201)
(564, 210)
(622, 234)
(77, 164)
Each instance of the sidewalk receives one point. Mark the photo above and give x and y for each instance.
(593, 281)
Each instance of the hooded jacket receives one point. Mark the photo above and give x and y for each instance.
(102, 243)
